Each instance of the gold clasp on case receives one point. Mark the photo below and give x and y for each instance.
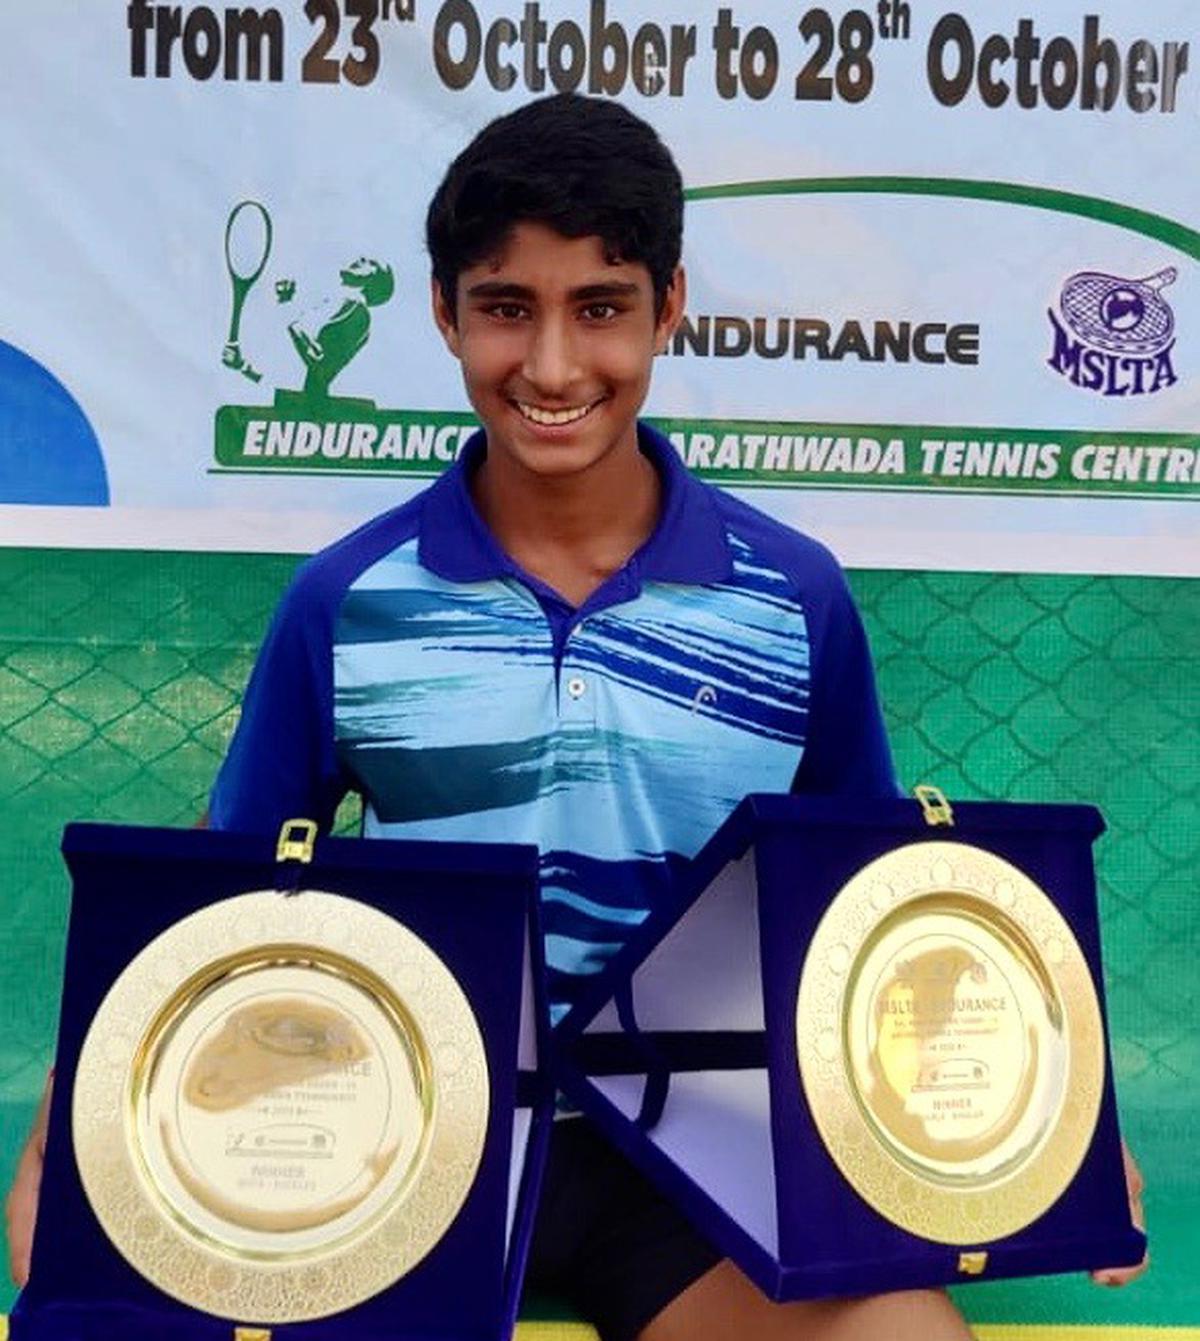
(257, 1333)
(296, 839)
(972, 1264)
(934, 805)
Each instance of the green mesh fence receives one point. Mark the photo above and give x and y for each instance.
(120, 676)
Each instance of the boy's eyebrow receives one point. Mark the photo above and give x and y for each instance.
(587, 293)
(606, 289)
(498, 288)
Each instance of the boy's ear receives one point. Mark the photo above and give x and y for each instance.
(444, 318)
(674, 305)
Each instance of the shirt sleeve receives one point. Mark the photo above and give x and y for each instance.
(846, 752)
(282, 762)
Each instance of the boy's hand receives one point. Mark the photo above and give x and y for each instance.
(21, 1207)
(1135, 1184)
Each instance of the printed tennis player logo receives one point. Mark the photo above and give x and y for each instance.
(327, 334)
(310, 426)
(1113, 335)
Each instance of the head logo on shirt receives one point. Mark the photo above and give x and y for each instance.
(705, 697)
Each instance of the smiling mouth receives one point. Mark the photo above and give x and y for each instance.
(554, 418)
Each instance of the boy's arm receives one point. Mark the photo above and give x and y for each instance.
(20, 1210)
(846, 752)
(1135, 1185)
(282, 762)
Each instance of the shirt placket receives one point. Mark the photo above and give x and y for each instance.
(577, 686)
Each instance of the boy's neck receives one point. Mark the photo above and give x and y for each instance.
(572, 532)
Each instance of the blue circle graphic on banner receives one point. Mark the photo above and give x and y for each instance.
(48, 451)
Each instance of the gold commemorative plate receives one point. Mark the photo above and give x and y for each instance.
(950, 1042)
(280, 1106)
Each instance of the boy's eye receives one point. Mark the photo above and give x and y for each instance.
(507, 311)
(600, 311)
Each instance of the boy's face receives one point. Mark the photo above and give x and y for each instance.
(556, 344)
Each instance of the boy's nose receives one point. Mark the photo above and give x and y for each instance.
(550, 358)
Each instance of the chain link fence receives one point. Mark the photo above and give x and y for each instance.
(120, 676)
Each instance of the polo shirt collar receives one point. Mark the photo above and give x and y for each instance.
(688, 544)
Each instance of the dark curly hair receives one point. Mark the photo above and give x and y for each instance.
(582, 166)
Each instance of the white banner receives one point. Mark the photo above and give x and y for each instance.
(944, 304)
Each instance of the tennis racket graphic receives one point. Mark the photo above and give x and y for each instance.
(1122, 316)
(247, 245)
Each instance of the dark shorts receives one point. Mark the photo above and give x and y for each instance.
(606, 1240)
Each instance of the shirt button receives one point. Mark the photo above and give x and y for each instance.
(576, 686)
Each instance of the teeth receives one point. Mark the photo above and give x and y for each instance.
(552, 418)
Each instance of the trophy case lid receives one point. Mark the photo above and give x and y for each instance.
(761, 814)
(86, 844)
(839, 834)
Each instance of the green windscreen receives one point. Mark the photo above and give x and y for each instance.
(120, 675)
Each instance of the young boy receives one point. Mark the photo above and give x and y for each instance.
(570, 641)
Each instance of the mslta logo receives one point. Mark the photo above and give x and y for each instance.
(1115, 336)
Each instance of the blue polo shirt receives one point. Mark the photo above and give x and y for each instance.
(414, 662)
